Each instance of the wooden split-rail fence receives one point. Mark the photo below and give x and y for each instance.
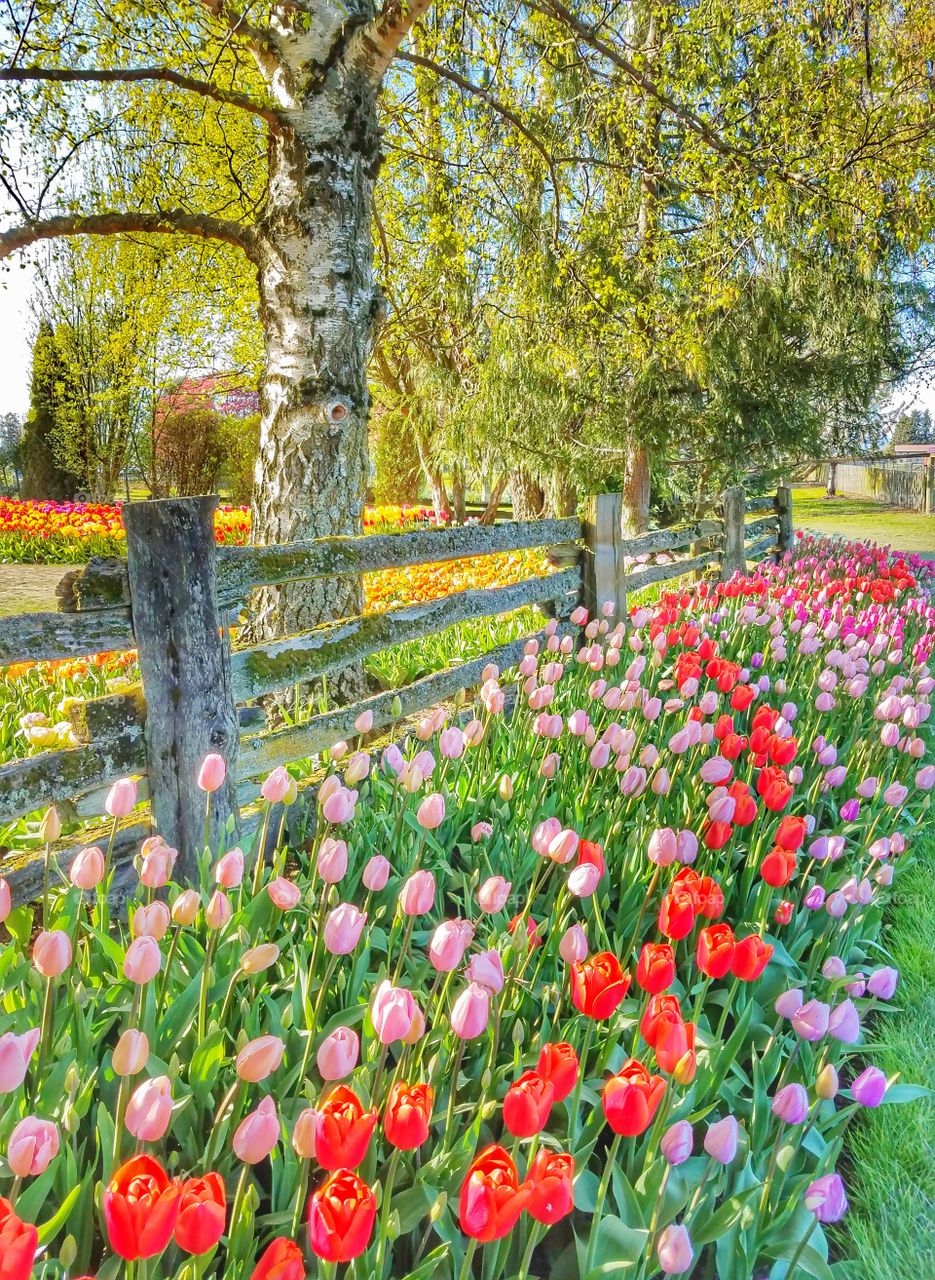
(175, 594)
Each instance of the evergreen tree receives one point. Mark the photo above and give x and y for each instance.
(44, 476)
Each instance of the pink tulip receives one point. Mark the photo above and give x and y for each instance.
(392, 1012)
(358, 768)
(142, 961)
(486, 970)
(573, 947)
(149, 1111)
(563, 847)
(257, 1134)
(284, 893)
(131, 1053)
(338, 1054)
(228, 874)
(185, 907)
(86, 872)
(791, 1104)
(447, 945)
(882, 982)
(259, 958)
(332, 860)
(218, 910)
(157, 862)
(343, 928)
(550, 765)
(544, 834)
(583, 880)
(844, 1022)
(417, 895)
(473, 733)
(259, 1058)
(303, 1134)
(151, 921)
(471, 1012)
(721, 1140)
(15, 1052)
(663, 847)
(364, 722)
(6, 900)
(51, 953)
(677, 1142)
(212, 773)
(451, 744)
(481, 831)
(493, 894)
(276, 786)
(32, 1147)
(431, 812)
(376, 873)
(686, 844)
(674, 1249)
(810, 1021)
(339, 807)
(121, 798)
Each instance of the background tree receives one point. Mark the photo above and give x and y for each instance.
(11, 452)
(915, 427)
(51, 407)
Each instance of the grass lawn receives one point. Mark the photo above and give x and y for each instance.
(891, 1228)
(858, 518)
(30, 588)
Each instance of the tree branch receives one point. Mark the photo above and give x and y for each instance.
(260, 41)
(99, 75)
(446, 73)
(110, 224)
(373, 46)
(708, 134)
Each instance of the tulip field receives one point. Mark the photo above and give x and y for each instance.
(580, 981)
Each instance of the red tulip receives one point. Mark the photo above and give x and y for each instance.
(590, 851)
(677, 913)
(408, 1113)
(778, 867)
(491, 1197)
(783, 913)
(550, 1181)
(751, 956)
(741, 698)
(598, 985)
(141, 1207)
(656, 968)
(744, 803)
(558, 1063)
(715, 950)
(660, 1010)
(631, 1098)
(18, 1244)
(717, 834)
(342, 1130)
(527, 1104)
(202, 1214)
(790, 834)
(282, 1260)
(774, 788)
(675, 1050)
(533, 937)
(782, 751)
(340, 1217)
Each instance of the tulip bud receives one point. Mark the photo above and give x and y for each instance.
(259, 958)
(50, 828)
(827, 1084)
(185, 907)
(131, 1053)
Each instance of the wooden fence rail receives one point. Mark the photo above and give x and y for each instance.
(172, 599)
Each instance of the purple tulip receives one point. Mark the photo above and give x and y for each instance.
(811, 1020)
(882, 982)
(677, 1142)
(869, 1087)
(844, 1022)
(791, 1104)
(825, 1198)
(720, 1141)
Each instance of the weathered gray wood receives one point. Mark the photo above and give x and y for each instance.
(42, 637)
(185, 664)
(101, 584)
(602, 567)
(259, 755)
(112, 716)
(753, 528)
(242, 568)
(669, 539)
(757, 550)
(786, 527)
(732, 554)
(28, 785)
(759, 504)
(641, 578)
(264, 668)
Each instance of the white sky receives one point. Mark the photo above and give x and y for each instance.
(15, 351)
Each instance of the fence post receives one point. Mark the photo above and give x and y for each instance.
(603, 576)
(185, 664)
(733, 509)
(784, 511)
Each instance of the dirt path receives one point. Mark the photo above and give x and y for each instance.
(29, 588)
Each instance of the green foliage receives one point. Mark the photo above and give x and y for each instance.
(45, 475)
(240, 444)
(915, 427)
(397, 477)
